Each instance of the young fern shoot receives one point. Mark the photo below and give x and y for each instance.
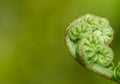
(87, 40)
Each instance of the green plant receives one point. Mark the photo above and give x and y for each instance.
(87, 40)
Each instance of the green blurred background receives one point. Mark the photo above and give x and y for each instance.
(32, 48)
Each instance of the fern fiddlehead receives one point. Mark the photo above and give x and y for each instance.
(87, 40)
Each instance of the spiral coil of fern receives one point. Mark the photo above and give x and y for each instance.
(87, 40)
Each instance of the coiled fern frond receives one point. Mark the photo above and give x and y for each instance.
(87, 40)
